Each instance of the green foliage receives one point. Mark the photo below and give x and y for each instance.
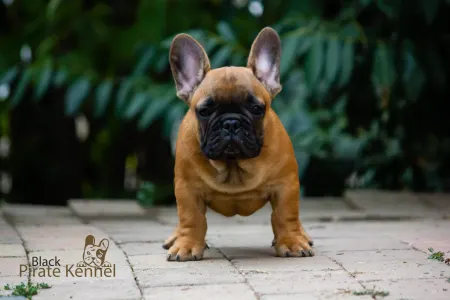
(150, 194)
(374, 294)
(351, 72)
(438, 255)
(26, 290)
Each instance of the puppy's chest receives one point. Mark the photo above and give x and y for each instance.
(243, 204)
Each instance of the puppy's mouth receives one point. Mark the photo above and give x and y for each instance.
(225, 142)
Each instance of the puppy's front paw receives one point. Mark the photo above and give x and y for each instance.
(185, 249)
(293, 246)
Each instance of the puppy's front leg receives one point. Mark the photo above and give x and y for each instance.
(188, 240)
(290, 238)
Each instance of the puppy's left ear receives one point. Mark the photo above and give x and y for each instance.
(264, 60)
(189, 64)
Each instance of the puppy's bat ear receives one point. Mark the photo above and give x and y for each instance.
(264, 59)
(189, 64)
(90, 240)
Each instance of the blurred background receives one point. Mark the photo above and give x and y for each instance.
(88, 106)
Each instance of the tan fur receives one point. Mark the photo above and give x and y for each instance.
(240, 188)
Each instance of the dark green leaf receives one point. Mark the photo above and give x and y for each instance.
(314, 61)
(289, 46)
(60, 78)
(102, 96)
(348, 147)
(155, 108)
(350, 31)
(436, 69)
(413, 76)
(122, 96)
(76, 94)
(383, 72)
(387, 7)
(220, 57)
(175, 114)
(52, 6)
(225, 31)
(21, 87)
(144, 62)
(347, 13)
(210, 44)
(162, 63)
(365, 2)
(430, 9)
(137, 104)
(303, 46)
(333, 58)
(237, 60)
(10, 75)
(44, 81)
(415, 85)
(347, 63)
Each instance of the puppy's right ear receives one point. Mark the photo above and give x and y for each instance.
(189, 64)
(90, 240)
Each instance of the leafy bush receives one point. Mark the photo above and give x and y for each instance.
(365, 82)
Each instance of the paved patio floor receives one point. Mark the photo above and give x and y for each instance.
(366, 242)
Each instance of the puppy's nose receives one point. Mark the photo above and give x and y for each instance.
(231, 125)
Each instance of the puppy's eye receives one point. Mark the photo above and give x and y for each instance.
(257, 110)
(205, 112)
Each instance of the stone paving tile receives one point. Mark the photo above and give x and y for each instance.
(8, 234)
(377, 256)
(106, 208)
(39, 215)
(39, 238)
(45, 220)
(397, 269)
(212, 259)
(438, 200)
(236, 291)
(12, 250)
(355, 244)
(385, 203)
(272, 264)
(323, 295)
(33, 210)
(153, 270)
(94, 289)
(252, 231)
(10, 266)
(139, 248)
(242, 236)
(196, 275)
(241, 252)
(301, 282)
(136, 231)
(413, 289)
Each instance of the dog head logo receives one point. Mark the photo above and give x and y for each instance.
(94, 255)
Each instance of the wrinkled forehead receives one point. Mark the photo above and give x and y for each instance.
(230, 84)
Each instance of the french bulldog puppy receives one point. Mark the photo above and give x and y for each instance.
(233, 154)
